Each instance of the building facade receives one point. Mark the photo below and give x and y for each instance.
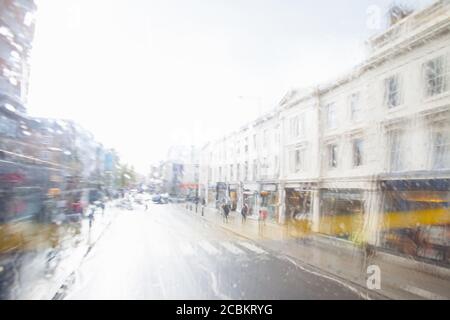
(365, 158)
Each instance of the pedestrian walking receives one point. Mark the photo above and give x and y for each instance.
(91, 217)
(226, 211)
(262, 219)
(102, 206)
(203, 206)
(244, 212)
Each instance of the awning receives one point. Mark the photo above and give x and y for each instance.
(422, 184)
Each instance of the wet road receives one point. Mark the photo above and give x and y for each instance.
(167, 253)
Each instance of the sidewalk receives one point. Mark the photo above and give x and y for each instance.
(37, 283)
(401, 278)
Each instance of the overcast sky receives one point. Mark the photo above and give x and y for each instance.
(144, 74)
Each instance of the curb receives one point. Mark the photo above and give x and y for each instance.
(360, 288)
(70, 279)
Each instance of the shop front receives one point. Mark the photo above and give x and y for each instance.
(233, 193)
(212, 190)
(416, 219)
(221, 193)
(342, 213)
(298, 202)
(250, 197)
(269, 200)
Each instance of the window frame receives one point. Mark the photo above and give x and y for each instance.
(398, 165)
(355, 111)
(332, 155)
(361, 162)
(328, 123)
(388, 93)
(444, 86)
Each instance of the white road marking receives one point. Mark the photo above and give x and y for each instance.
(208, 247)
(215, 288)
(342, 283)
(232, 248)
(214, 285)
(252, 247)
(424, 293)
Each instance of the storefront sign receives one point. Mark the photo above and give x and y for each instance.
(251, 187)
(269, 187)
(300, 186)
(221, 186)
(425, 184)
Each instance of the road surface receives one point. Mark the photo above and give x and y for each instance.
(168, 253)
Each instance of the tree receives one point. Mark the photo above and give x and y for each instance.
(126, 176)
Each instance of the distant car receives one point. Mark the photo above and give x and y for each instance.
(161, 199)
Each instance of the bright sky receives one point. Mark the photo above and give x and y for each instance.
(144, 74)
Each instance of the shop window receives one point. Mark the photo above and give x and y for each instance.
(392, 91)
(269, 201)
(298, 203)
(435, 73)
(357, 152)
(342, 213)
(412, 220)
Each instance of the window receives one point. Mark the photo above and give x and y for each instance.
(266, 138)
(255, 169)
(392, 91)
(231, 172)
(246, 171)
(246, 145)
(332, 156)
(435, 76)
(220, 173)
(264, 166)
(441, 149)
(331, 116)
(395, 148)
(294, 127)
(357, 152)
(296, 160)
(238, 171)
(355, 107)
(254, 142)
(276, 165)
